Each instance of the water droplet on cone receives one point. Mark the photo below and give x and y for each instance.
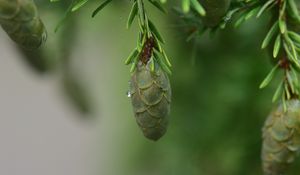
(128, 94)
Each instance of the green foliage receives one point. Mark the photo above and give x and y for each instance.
(100, 7)
(187, 4)
(286, 45)
(282, 36)
(148, 31)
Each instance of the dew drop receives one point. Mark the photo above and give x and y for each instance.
(128, 94)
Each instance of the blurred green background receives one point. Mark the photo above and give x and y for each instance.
(217, 109)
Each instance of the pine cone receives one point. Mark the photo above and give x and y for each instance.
(281, 138)
(215, 11)
(151, 98)
(20, 20)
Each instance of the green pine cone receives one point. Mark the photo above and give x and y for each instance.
(151, 97)
(281, 138)
(20, 20)
(215, 11)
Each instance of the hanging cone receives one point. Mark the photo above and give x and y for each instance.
(281, 138)
(151, 97)
(20, 20)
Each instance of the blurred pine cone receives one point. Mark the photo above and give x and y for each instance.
(21, 22)
(281, 138)
(151, 97)
(77, 94)
(215, 11)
